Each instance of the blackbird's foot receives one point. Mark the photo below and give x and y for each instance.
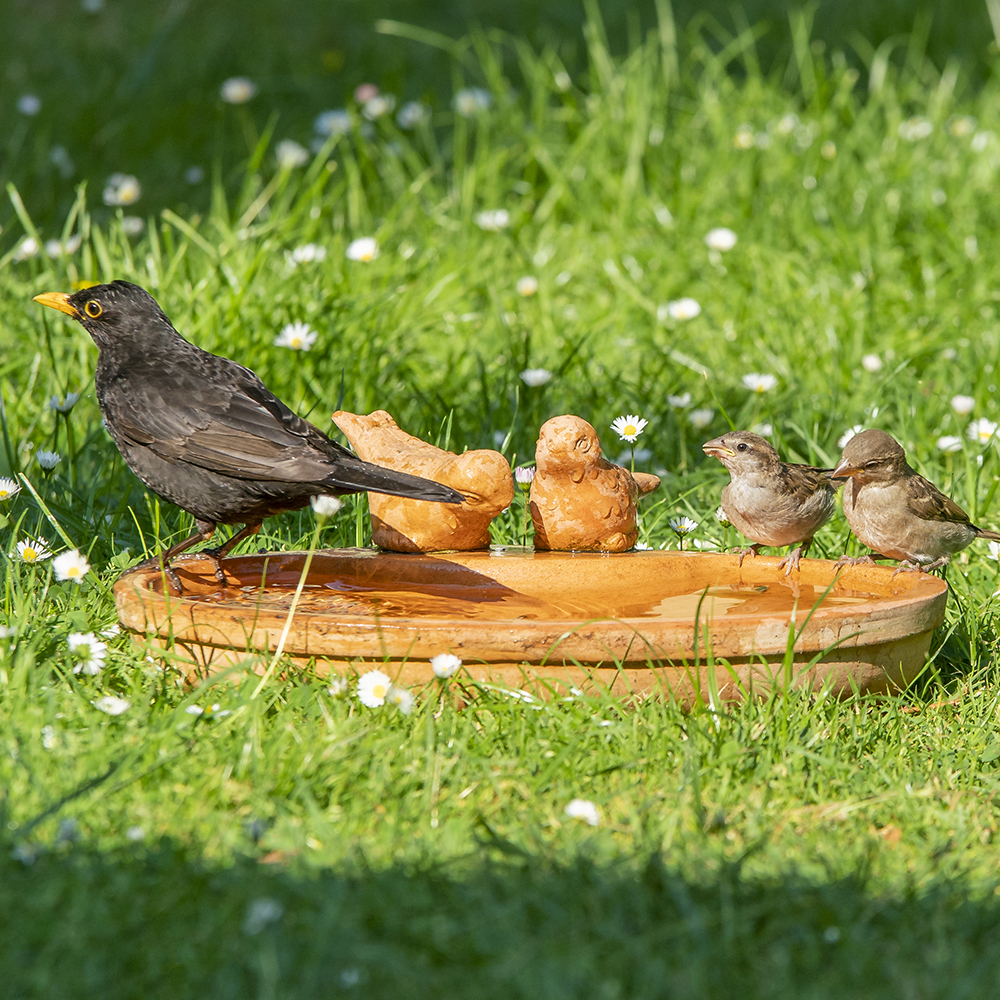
(216, 554)
(167, 570)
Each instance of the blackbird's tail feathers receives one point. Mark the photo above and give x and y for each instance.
(356, 478)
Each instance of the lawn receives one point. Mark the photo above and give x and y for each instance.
(231, 839)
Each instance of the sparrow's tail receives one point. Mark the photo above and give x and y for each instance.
(993, 536)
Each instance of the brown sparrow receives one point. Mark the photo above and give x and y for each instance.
(771, 502)
(896, 512)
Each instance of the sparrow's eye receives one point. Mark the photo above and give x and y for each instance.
(873, 464)
(93, 309)
(742, 446)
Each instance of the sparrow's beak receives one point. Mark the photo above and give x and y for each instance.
(843, 470)
(58, 300)
(718, 449)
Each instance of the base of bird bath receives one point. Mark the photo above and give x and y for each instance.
(682, 623)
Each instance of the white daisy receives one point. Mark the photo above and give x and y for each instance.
(8, 489)
(338, 122)
(871, 363)
(326, 506)
(33, 550)
(112, 704)
(683, 309)
(298, 336)
(402, 698)
(848, 434)
(585, 810)
(48, 459)
(308, 253)
(121, 189)
(642, 547)
(373, 687)
(949, 443)
(412, 114)
(535, 376)
(757, 382)
(70, 565)
(493, 220)
(471, 100)
(982, 430)
(720, 516)
(963, 405)
(743, 139)
(29, 104)
(26, 249)
(364, 248)
(683, 525)
(378, 106)
(721, 239)
(629, 427)
(445, 665)
(523, 475)
(700, 419)
(238, 90)
(681, 402)
(365, 92)
(63, 404)
(132, 225)
(527, 286)
(994, 549)
(338, 686)
(290, 154)
(915, 128)
(88, 651)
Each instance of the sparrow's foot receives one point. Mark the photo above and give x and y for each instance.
(907, 566)
(750, 550)
(791, 561)
(854, 561)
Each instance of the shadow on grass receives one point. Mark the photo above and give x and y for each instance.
(161, 923)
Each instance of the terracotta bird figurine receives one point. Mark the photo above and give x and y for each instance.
(897, 512)
(578, 499)
(772, 502)
(482, 477)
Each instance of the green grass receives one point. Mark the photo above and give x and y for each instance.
(302, 845)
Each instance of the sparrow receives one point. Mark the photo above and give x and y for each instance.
(897, 512)
(205, 433)
(771, 502)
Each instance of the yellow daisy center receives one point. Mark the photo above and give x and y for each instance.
(73, 571)
(379, 690)
(29, 555)
(630, 429)
(4, 493)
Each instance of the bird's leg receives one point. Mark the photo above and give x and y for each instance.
(791, 561)
(223, 550)
(750, 550)
(205, 531)
(911, 567)
(854, 561)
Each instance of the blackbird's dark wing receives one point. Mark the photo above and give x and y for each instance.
(926, 501)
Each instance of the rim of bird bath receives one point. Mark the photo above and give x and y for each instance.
(682, 623)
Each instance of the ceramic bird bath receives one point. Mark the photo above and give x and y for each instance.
(639, 622)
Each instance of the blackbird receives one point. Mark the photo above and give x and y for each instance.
(897, 512)
(204, 432)
(770, 501)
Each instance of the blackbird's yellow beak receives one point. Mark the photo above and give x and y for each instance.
(58, 300)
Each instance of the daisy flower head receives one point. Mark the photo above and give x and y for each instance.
(373, 687)
(681, 402)
(121, 189)
(112, 704)
(535, 377)
(8, 489)
(871, 363)
(743, 139)
(325, 506)
(238, 90)
(949, 442)
(63, 404)
(848, 434)
(756, 382)
(915, 128)
(683, 525)
(132, 225)
(365, 92)
(681, 309)
(700, 419)
(290, 154)
(720, 516)
(493, 220)
(585, 810)
(994, 550)
(445, 665)
(336, 122)
(48, 459)
(982, 430)
(470, 101)
(338, 686)
(297, 336)
(721, 239)
(412, 114)
(527, 286)
(402, 698)
(365, 248)
(378, 106)
(308, 253)
(26, 249)
(524, 475)
(33, 550)
(962, 125)
(88, 651)
(71, 565)
(29, 105)
(963, 405)
(629, 427)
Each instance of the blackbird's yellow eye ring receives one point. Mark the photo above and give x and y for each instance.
(93, 309)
